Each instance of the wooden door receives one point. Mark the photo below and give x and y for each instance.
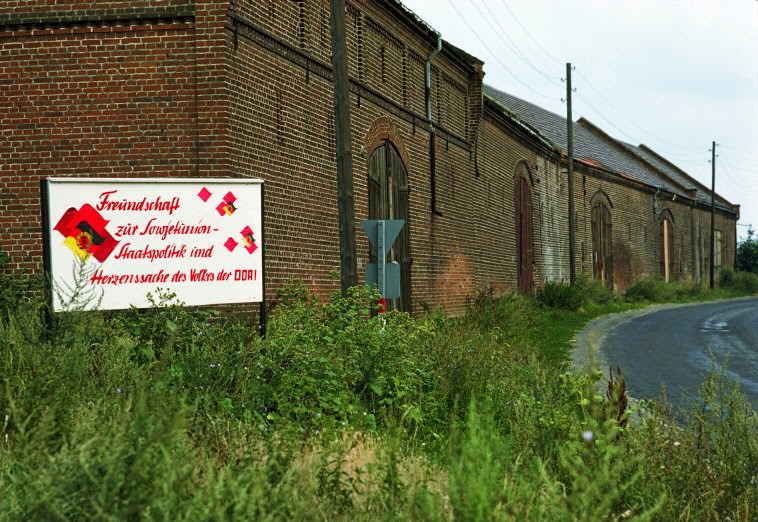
(524, 237)
(388, 199)
(602, 244)
(667, 248)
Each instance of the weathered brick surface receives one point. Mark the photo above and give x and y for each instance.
(282, 130)
(219, 88)
(101, 101)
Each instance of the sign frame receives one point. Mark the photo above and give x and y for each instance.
(92, 237)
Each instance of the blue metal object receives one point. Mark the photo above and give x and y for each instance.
(381, 234)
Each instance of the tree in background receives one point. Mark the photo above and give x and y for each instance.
(747, 253)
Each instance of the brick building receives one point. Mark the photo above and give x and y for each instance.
(637, 214)
(243, 88)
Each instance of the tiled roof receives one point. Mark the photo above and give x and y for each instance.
(596, 148)
(675, 173)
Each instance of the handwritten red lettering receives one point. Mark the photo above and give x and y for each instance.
(142, 205)
(100, 278)
(173, 228)
(172, 251)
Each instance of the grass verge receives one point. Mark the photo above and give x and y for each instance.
(172, 413)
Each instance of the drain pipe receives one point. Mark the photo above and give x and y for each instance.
(432, 134)
(428, 74)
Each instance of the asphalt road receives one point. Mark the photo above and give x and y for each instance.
(679, 346)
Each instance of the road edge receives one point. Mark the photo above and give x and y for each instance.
(586, 352)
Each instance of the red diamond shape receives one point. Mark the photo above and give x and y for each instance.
(231, 244)
(204, 194)
(225, 208)
(248, 239)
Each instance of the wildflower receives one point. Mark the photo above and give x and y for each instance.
(587, 436)
(677, 443)
(119, 389)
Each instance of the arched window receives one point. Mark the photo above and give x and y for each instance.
(718, 248)
(602, 238)
(388, 199)
(524, 234)
(666, 229)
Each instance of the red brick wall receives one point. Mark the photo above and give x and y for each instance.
(138, 94)
(282, 130)
(207, 88)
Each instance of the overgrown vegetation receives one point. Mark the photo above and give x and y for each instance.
(342, 414)
(730, 284)
(747, 253)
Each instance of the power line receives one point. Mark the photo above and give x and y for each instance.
(556, 60)
(606, 100)
(739, 151)
(692, 154)
(495, 55)
(730, 170)
(744, 161)
(609, 122)
(692, 164)
(599, 93)
(512, 46)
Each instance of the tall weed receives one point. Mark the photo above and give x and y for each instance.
(339, 413)
(740, 282)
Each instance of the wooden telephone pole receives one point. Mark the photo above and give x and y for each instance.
(713, 212)
(570, 131)
(345, 198)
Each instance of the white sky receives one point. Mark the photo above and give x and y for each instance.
(672, 74)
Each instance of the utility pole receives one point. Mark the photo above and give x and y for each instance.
(570, 129)
(345, 199)
(713, 210)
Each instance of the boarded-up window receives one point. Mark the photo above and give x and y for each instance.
(667, 247)
(388, 199)
(524, 233)
(602, 244)
(718, 247)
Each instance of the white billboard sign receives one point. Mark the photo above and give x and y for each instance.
(116, 240)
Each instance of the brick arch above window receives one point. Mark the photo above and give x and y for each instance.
(523, 171)
(384, 129)
(667, 215)
(600, 197)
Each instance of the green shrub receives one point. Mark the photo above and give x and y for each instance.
(741, 282)
(561, 295)
(649, 290)
(594, 290)
(18, 291)
(706, 464)
(658, 291)
(175, 413)
(747, 253)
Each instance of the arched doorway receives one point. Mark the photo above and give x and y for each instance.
(388, 199)
(602, 238)
(666, 232)
(524, 232)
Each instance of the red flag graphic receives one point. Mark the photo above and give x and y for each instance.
(85, 234)
(248, 239)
